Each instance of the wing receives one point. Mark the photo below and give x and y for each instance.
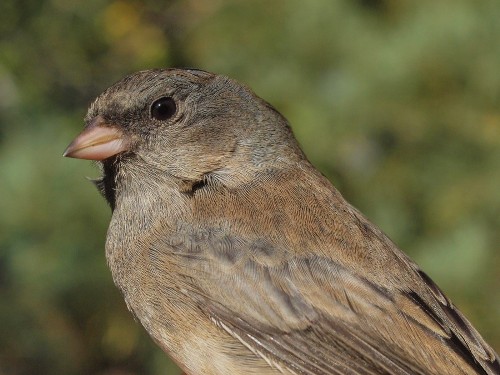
(308, 314)
(314, 288)
(360, 329)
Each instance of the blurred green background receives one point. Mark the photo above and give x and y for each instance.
(397, 102)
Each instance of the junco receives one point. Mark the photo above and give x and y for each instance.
(239, 257)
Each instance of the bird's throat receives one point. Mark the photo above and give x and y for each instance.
(107, 183)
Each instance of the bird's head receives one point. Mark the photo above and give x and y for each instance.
(182, 124)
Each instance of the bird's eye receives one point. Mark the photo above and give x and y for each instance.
(163, 108)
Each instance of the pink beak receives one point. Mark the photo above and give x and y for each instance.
(98, 141)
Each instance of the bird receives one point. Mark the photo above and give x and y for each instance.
(239, 257)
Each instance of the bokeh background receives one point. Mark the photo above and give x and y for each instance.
(396, 101)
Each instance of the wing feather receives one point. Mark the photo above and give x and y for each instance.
(306, 314)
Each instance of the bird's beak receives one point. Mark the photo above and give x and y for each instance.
(98, 141)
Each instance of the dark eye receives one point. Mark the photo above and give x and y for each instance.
(163, 108)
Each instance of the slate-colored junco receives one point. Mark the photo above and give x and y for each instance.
(239, 257)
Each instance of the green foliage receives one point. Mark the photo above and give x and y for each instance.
(396, 101)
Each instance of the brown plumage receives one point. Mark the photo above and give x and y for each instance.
(239, 257)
